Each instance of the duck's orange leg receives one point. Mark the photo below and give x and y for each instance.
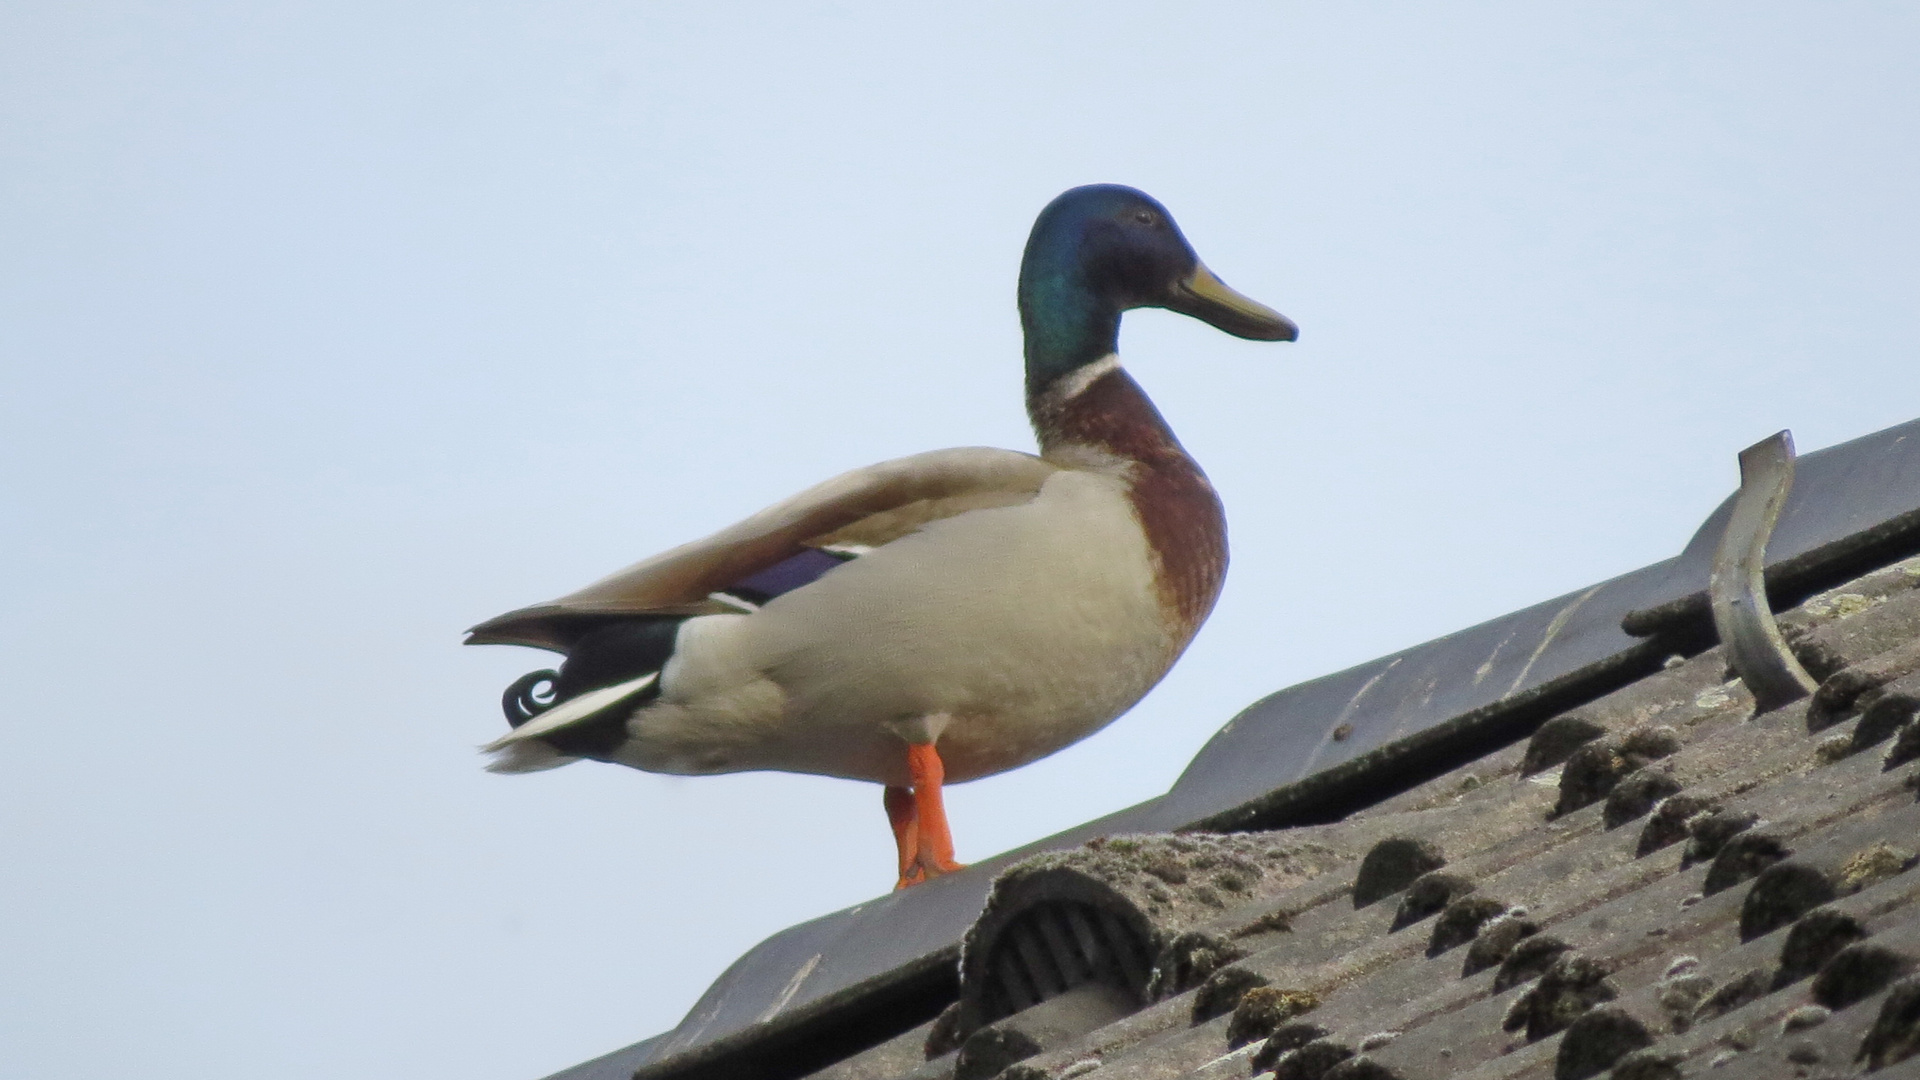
(906, 834)
(934, 842)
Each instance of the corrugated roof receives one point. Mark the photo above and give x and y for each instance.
(1496, 922)
(1422, 745)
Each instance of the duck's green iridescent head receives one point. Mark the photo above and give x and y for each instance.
(1099, 250)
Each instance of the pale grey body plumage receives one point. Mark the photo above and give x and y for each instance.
(1017, 629)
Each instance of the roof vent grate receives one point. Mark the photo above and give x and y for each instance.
(1051, 948)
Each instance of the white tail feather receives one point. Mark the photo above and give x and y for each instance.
(572, 712)
(525, 757)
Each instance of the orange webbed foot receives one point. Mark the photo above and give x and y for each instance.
(919, 819)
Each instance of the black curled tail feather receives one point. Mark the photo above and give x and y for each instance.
(524, 699)
(606, 656)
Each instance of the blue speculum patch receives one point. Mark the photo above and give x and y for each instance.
(783, 577)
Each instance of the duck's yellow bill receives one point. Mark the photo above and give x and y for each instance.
(1207, 298)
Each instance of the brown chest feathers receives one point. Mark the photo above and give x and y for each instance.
(1185, 526)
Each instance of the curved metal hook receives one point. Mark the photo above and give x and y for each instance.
(1738, 588)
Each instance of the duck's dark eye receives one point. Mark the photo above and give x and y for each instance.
(1145, 217)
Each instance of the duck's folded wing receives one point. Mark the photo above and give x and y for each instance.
(861, 509)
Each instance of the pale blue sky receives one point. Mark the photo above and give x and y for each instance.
(330, 329)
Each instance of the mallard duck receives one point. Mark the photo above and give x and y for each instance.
(932, 619)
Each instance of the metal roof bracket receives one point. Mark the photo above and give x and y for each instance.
(1737, 587)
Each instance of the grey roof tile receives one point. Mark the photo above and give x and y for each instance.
(902, 1056)
(1599, 836)
(1568, 868)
